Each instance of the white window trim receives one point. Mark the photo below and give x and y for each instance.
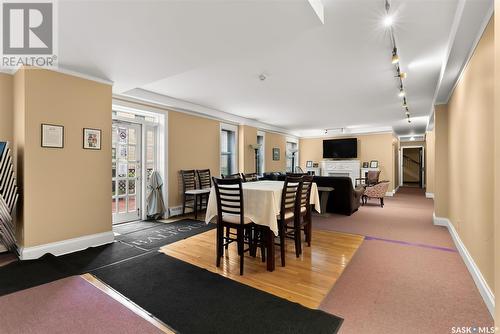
(234, 128)
(263, 135)
(297, 155)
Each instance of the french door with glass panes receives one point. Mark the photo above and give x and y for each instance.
(126, 172)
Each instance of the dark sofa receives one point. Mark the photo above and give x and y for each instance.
(344, 199)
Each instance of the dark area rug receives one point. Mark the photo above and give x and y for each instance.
(96, 257)
(165, 233)
(194, 300)
(135, 226)
(20, 275)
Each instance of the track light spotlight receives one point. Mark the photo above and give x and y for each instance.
(401, 92)
(388, 20)
(395, 57)
(405, 105)
(402, 75)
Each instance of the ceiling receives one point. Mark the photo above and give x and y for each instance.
(318, 76)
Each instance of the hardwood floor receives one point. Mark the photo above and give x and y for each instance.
(305, 280)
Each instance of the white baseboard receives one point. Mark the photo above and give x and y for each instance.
(481, 284)
(389, 193)
(429, 195)
(66, 246)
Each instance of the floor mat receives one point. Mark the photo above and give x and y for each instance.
(157, 236)
(95, 257)
(22, 275)
(135, 226)
(194, 300)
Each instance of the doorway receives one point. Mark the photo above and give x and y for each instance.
(412, 162)
(126, 172)
(135, 155)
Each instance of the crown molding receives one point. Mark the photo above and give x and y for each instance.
(169, 103)
(61, 70)
(472, 50)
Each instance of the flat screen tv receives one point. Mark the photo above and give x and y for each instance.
(345, 148)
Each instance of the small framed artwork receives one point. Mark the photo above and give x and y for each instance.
(366, 164)
(315, 165)
(309, 164)
(52, 136)
(374, 164)
(276, 153)
(91, 139)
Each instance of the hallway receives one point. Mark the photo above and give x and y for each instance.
(407, 276)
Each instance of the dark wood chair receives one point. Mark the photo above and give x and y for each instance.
(232, 176)
(289, 214)
(191, 194)
(306, 208)
(230, 215)
(251, 177)
(204, 182)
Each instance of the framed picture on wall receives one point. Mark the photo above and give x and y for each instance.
(309, 164)
(366, 164)
(374, 164)
(276, 153)
(52, 136)
(91, 139)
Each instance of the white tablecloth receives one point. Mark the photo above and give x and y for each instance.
(262, 202)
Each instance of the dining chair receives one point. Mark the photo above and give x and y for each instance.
(289, 214)
(305, 217)
(191, 194)
(231, 176)
(250, 177)
(204, 182)
(230, 215)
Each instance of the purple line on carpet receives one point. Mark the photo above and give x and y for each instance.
(445, 249)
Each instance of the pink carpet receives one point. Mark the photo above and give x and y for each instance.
(402, 287)
(70, 305)
(405, 217)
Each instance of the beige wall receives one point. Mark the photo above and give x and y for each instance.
(470, 201)
(370, 147)
(497, 160)
(441, 164)
(6, 107)
(66, 191)
(276, 140)
(247, 136)
(395, 157)
(430, 161)
(193, 143)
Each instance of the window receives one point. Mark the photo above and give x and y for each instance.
(292, 155)
(228, 149)
(260, 154)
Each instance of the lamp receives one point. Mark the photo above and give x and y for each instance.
(256, 148)
(395, 57)
(293, 151)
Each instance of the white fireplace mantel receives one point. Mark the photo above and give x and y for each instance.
(348, 168)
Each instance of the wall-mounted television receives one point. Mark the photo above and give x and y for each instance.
(345, 148)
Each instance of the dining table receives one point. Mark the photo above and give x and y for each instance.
(262, 205)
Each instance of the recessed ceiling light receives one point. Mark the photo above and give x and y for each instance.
(388, 21)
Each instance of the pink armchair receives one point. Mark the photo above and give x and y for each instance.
(376, 191)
